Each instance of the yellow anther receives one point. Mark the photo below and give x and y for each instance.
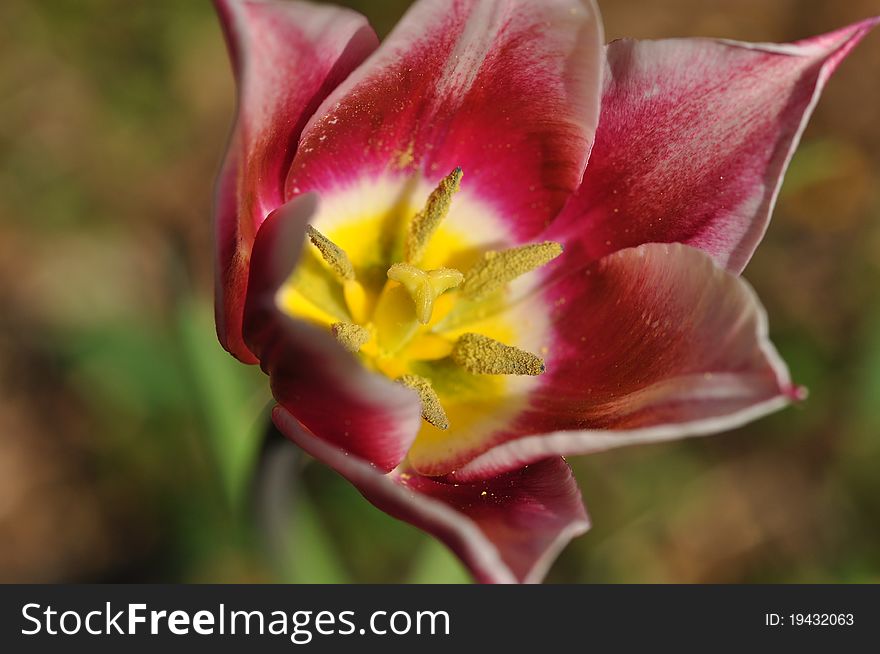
(424, 287)
(496, 269)
(352, 337)
(482, 355)
(334, 255)
(432, 411)
(425, 223)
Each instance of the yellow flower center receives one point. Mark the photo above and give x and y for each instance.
(405, 317)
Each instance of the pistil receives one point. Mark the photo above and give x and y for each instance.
(424, 286)
(405, 322)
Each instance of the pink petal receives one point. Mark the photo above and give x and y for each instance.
(507, 529)
(693, 141)
(287, 57)
(310, 374)
(652, 343)
(506, 89)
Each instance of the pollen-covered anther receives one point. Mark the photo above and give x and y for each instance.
(425, 223)
(334, 255)
(496, 269)
(482, 355)
(432, 411)
(424, 286)
(352, 337)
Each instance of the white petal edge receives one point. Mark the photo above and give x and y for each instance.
(469, 542)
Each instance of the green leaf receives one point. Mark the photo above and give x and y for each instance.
(435, 564)
(312, 554)
(230, 400)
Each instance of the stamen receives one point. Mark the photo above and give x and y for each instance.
(482, 355)
(356, 300)
(496, 269)
(334, 255)
(424, 287)
(425, 223)
(352, 337)
(432, 411)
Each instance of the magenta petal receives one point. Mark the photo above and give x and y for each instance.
(693, 141)
(652, 343)
(287, 57)
(506, 89)
(507, 529)
(310, 374)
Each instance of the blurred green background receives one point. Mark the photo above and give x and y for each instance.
(126, 433)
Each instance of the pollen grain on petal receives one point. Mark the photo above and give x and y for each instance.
(481, 355)
(334, 255)
(425, 222)
(352, 337)
(498, 268)
(432, 411)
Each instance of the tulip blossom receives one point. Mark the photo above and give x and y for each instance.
(492, 241)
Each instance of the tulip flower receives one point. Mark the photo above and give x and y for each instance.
(492, 242)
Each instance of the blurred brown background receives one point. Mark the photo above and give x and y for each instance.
(125, 430)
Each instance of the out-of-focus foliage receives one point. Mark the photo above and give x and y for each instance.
(126, 434)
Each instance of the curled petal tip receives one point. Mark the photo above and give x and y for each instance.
(717, 198)
(797, 393)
